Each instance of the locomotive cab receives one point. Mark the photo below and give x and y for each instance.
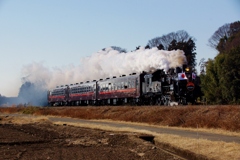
(157, 88)
(152, 83)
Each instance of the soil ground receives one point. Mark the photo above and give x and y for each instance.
(40, 139)
(44, 140)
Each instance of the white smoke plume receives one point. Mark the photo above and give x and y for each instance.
(103, 64)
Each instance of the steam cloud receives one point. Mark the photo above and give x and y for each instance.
(102, 64)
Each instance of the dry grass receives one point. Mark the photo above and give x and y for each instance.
(24, 120)
(212, 150)
(205, 117)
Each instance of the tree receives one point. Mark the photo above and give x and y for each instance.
(231, 79)
(30, 93)
(137, 48)
(221, 82)
(188, 48)
(121, 50)
(1, 99)
(173, 41)
(210, 83)
(220, 37)
(160, 47)
(202, 65)
(221, 33)
(232, 42)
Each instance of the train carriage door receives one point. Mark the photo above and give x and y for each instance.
(138, 85)
(96, 91)
(67, 94)
(148, 83)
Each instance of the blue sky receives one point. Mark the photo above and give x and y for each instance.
(59, 32)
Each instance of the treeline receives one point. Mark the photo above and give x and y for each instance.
(221, 79)
(8, 100)
(29, 94)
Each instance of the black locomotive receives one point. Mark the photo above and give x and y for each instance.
(177, 86)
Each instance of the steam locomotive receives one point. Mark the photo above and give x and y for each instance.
(177, 86)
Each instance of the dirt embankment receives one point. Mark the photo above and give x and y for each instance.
(217, 117)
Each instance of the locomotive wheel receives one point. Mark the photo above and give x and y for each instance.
(132, 102)
(183, 101)
(165, 101)
(151, 101)
(158, 101)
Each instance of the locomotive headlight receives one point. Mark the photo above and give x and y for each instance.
(187, 69)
